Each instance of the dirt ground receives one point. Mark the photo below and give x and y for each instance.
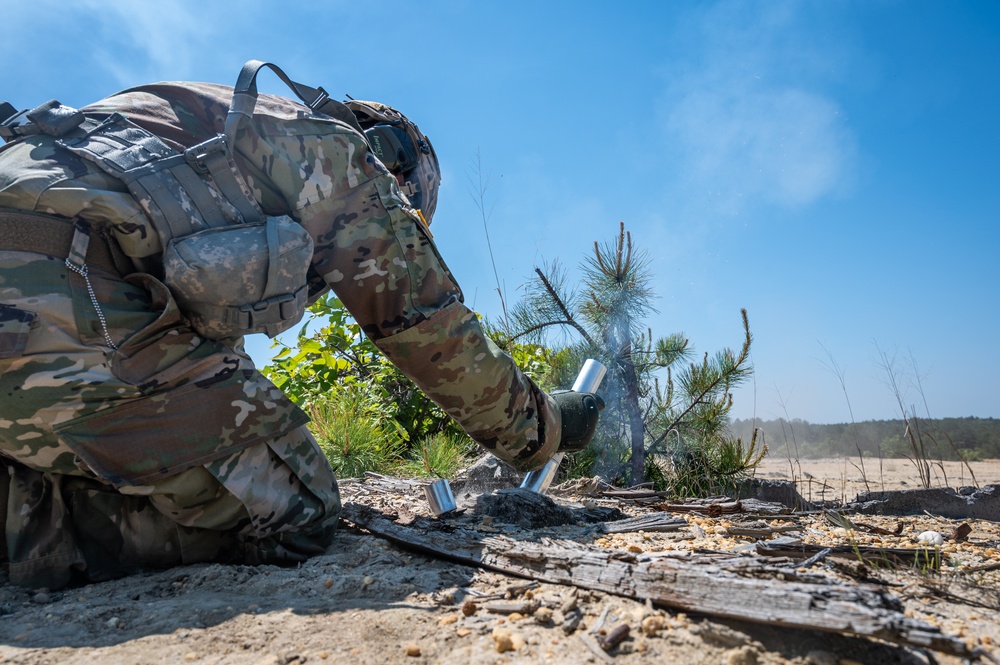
(368, 601)
(842, 479)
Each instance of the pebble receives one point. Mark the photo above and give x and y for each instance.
(469, 608)
(42, 598)
(412, 649)
(572, 621)
(505, 640)
(741, 656)
(930, 538)
(543, 615)
(503, 643)
(113, 622)
(651, 625)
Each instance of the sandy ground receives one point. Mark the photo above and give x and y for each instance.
(842, 479)
(367, 601)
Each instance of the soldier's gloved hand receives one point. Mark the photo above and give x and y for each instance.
(580, 412)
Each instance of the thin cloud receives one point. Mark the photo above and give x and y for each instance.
(131, 42)
(153, 37)
(745, 127)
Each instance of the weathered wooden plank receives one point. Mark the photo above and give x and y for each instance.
(652, 522)
(737, 588)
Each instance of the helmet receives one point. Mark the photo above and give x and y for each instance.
(406, 152)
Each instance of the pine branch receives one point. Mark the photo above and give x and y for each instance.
(540, 326)
(723, 378)
(562, 307)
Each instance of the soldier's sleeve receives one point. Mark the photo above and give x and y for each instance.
(376, 255)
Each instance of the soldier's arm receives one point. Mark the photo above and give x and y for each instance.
(374, 252)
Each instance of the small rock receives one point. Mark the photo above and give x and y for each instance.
(469, 608)
(741, 656)
(652, 625)
(930, 538)
(572, 621)
(503, 641)
(42, 598)
(463, 632)
(507, 640)
(412, 649)
(113, 622)
(543, 615)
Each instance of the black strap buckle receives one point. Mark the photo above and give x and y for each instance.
(197, 155)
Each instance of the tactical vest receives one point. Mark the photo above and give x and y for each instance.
(232, 269)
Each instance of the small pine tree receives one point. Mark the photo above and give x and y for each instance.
(648, 429)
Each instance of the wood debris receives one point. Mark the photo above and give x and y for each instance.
(740, 588)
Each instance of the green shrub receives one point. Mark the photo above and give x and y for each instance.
(439, 456)
(353, 438)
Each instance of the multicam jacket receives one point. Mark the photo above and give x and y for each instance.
(369, 245)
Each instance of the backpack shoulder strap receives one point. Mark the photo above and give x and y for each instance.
(245, 99)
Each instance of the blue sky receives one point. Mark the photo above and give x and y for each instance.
(834, 166)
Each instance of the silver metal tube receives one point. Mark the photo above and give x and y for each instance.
(439, 497)
(587, 381)
(590, 377)
(540, 479)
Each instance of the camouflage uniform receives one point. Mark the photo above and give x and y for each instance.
(153, 446)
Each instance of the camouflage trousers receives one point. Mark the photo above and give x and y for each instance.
(129, 442)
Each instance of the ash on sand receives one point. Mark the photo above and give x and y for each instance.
(523, 508)
(531, 510)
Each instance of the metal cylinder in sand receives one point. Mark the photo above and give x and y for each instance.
(439, 497)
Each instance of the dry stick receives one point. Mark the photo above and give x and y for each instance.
(595, 648)
(615, 636)
(819, 556)
(745, 532)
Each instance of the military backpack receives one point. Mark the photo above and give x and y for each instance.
(232, 269)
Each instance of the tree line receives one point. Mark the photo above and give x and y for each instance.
(968, 439)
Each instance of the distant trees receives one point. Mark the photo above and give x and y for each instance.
(971, 438)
